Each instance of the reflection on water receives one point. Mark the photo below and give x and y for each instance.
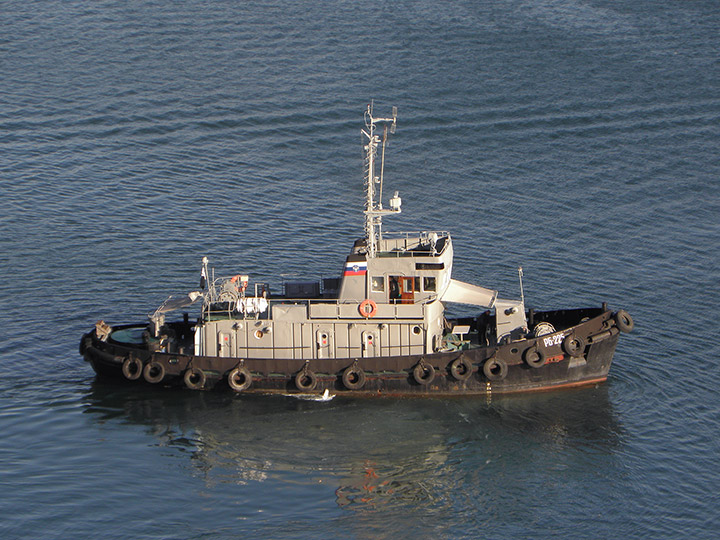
(136, 139)
(373, 452)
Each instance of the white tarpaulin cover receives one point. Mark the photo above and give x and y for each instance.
(464, 293)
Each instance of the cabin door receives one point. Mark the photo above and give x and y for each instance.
(407, 290)
(402, 289)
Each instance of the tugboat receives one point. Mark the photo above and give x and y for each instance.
(377, 329)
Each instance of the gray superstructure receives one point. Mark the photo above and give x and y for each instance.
(389, 300)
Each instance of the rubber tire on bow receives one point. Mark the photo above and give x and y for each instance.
(624, 321)
(424, 374)
(305, 381)
(132, 368)
(353, 378)
(239, 379)
(495, 369)
(534, 357)
(195, 378)
(461, 369)
(573, 345)
(154, 372)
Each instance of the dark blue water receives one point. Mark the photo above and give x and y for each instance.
(578, 139)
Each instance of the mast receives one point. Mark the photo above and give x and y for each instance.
(374, 210)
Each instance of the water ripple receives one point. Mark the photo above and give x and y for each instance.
(577, 140)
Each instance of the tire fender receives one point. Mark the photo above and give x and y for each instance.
(154, 372)
(305, 380)
(353, 377)
(195, 378)
(239, 379)
(624, 321)
(423, 373)
(132, 368)
(534, 357)
(461, 368)
(495, 369)
(573, 345)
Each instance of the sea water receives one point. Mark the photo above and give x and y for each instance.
(577, 139)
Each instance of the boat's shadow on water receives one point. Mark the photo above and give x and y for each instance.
(371, 451)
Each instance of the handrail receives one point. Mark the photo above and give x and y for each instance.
(231, 312)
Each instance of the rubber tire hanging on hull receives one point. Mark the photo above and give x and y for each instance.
(195, 379)
(305, 381)
(534, 357)
(239, 379)
(573, 345)
(461, 369)
(353, 378)
(424, 374)
(495, 369)
(624, 321)
(132, 368)
(154, 372)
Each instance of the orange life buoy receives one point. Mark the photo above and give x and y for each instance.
(242, 283)
(363, 308)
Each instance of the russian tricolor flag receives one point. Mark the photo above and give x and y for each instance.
(355, 268)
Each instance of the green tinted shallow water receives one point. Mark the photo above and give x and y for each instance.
(577, 139)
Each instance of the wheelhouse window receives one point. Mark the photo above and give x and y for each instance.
(429, 284)
(377, 284)
(430, 266)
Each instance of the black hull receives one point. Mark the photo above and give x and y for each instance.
(535, 364)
